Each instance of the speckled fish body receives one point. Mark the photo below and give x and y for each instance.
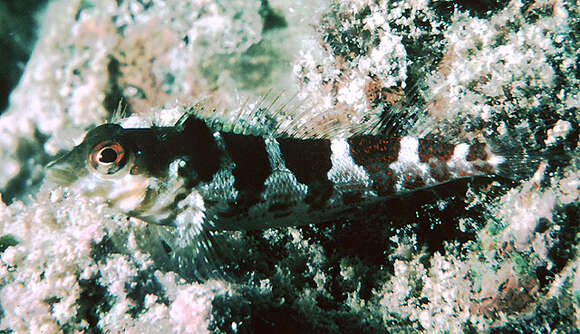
(194, 176)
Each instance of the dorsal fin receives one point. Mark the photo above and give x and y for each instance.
(119, 113)
(397, 119)
(264, 117)
(393, 123)
(281, 115)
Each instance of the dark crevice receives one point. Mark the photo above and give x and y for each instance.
(477, 8)
(272, 19)
(144, 284)
(30, 154)
(94, 300)
(6, 241)
(18, 34)
(113, 91)
(567, 235)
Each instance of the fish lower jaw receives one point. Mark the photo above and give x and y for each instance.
(125, 194)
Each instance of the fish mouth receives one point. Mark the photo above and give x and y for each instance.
(62, 173)
(60, 176)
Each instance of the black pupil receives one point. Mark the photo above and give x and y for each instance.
(108, 155)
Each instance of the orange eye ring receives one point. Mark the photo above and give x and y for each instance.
(108, 153)
(108, 158)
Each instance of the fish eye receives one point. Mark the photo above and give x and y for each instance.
(108, 155)
(108, 158)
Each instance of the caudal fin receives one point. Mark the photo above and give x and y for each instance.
(523, 150)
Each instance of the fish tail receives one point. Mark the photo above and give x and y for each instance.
(524, 151)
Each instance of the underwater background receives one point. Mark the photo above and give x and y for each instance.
(473, 256)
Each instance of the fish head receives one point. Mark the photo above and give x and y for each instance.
(106, 165)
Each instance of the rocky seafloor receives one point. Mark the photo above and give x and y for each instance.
(472, 256)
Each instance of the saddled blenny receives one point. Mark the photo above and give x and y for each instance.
(197, 176)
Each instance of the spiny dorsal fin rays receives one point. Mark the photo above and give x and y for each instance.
(272, 115)
(119, 113)
(248, 119)
(265, 117)
(383, 119)
(389, 123)
(193, 110)
(398, 120)
(398, 117)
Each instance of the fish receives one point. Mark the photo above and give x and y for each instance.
(198, 176)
